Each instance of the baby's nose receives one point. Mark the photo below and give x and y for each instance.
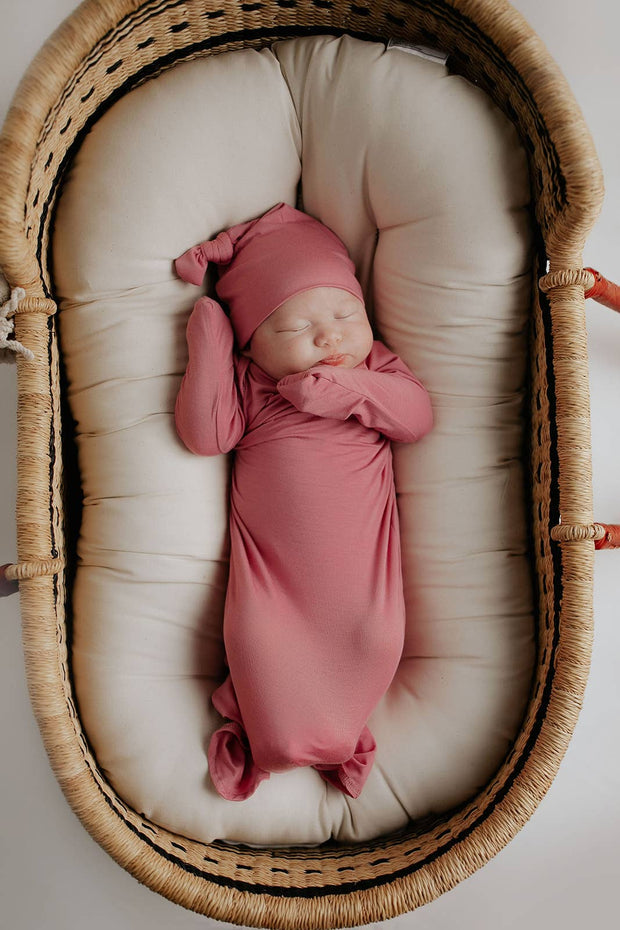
(328, 335)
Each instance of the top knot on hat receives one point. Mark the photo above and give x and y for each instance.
(266, 261)
(192, 265)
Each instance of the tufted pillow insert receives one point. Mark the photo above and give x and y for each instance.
(425, 182)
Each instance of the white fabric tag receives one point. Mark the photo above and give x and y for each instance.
(422, 51)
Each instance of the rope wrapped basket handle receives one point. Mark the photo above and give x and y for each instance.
(10, 350)
(603, 291)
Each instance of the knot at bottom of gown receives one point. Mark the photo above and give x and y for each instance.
(233, 771)
(350, 776)
(236, 776)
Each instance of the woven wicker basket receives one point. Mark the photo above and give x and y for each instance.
(103, 51)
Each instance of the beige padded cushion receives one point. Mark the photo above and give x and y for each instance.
(426, 183)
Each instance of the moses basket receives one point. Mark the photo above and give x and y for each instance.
(101, 53)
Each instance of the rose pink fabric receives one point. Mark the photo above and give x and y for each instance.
(266, 261)
(314, 617)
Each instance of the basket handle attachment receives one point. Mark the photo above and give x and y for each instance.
(611, 539)
(594, 285)
(599, 288)
(605, 536)
(7, 585)
(603, 291)
(11, 575)
(9, 346)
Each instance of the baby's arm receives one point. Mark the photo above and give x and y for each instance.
(208, 414)
(386, 396)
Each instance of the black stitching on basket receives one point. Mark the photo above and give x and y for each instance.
(214, 14)
(179, 27)
(49, 161)
(539, 179)
(360, 10)
(512, 113)
(378, 861)
(345, 868)
(529, 144)
(209, 859)
(248, 868)
(124, 806)
(114, 67)
(52, 454)
(146, 42)
(178, 846)
(148, 827)
(323, 4)
(65, 127)
(396, 20)
(251, 7)
(286, 4)
(88, 95)
(286, 871)
(554, 489)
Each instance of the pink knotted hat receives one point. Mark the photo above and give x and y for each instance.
(268, 260)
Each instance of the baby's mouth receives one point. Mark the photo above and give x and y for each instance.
(333, 360)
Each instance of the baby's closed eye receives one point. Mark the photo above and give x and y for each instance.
(300, 326)
(297, 329)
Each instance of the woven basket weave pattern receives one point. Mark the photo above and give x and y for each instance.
(102, 52)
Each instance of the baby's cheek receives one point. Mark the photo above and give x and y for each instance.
(303, 352)
(366, 339)
(295, 359)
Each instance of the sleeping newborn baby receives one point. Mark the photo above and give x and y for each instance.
(314, 618)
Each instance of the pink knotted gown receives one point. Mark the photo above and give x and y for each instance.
(314, 617)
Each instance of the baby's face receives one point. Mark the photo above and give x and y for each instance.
(322, 326)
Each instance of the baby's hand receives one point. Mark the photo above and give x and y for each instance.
(208, 305)
(308, 391)
(209, 322)
(208, 414)
(389, 398)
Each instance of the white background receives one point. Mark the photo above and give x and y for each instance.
(562, 869)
